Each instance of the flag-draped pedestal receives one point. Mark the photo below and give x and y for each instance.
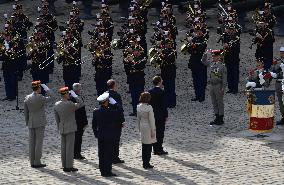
(261, 110)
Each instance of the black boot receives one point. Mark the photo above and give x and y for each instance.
(220, 120)
(281, 122)
(215, 120)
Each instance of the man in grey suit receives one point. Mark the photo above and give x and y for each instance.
(35, 120)
(66, 124)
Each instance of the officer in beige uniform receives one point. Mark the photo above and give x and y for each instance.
(217, 81)
(66, 124)
(35, 120)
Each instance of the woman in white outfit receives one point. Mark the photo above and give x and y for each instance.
(147, 128)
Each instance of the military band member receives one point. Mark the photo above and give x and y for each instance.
(49, 24)
(264, 40)
(34, 108)
(196, 46)
(68, 49)
(66, 124)
(106, 126)
(217, 81)
(38, 48)
(168, 71)
(81, 121)
(102, 61)
(9, 54)
(231, 46)
(278, 68)
(135, 63)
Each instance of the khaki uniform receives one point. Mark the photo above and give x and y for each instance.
(278, 85)
(217, 81)
(65, 118)
(35, 120)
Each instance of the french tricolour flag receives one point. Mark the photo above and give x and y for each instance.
(262, 114)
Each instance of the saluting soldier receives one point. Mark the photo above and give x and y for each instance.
(34, 108)
(66, 123)
(278, 68)
(217, 81)
(106, 126)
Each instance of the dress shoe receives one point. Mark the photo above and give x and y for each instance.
(39, 166)
(67, 169)
(109, 175)
(11, 99)
(149, 166)
(161, 153)
(195, 99)
(119, 161)
(80, 157)
(229, 92)
(201, 100)
(281, 122)
(133, 114)
(74, 169)
(4, 99)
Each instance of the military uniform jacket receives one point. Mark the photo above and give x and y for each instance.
(106, 123)
(277, 69)
(65, 115)
(217, 71)
(196, 50)
(34, 109)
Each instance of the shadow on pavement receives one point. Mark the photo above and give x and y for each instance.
(191, 165)
(159, 176)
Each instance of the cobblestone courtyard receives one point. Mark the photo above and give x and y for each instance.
(198, 153)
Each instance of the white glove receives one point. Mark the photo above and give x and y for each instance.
(73, 94)
(112, 101)
(282, 88)
(44, 87)
(261, 80)
(274, 75)
(282, 67)
(250, 84)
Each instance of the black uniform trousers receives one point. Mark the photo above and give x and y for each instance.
(10, 80)
(233, 75)
(78, 142)
(101, 77)
(106, 150)
(136, 87)
(168, 74)
(70, 75)
(199, 78)
(160, 130)
(116, 149)
(146, 153)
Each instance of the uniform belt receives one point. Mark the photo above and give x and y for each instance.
(279, 80)
(135, 71)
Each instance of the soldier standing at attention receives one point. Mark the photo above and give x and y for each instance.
(106, 124)
(217, 81)
(278, 68)
(34, 105)
(66, 123)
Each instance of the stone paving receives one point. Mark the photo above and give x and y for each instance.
(198, 153)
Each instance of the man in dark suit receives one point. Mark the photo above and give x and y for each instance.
(106, 128)
(81, 121)
(112, 90)
(158, 102)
